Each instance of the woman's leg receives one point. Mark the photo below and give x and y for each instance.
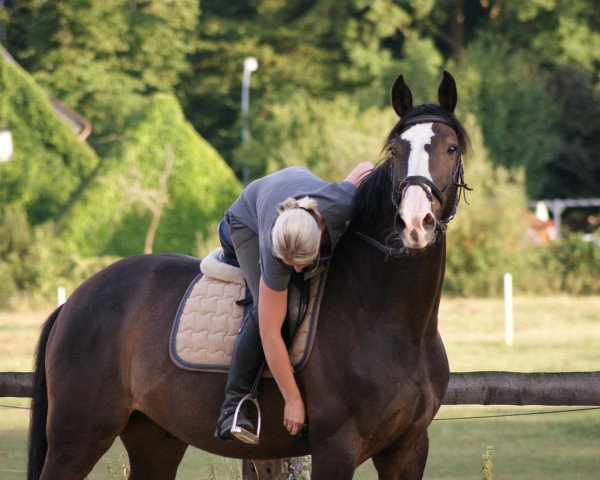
(245, 243)
(248, 356)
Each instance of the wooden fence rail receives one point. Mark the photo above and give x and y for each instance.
(470, 388)
(13, 384)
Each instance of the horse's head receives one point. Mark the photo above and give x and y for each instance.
(422, 172)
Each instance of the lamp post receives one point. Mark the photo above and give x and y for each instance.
(250, 65)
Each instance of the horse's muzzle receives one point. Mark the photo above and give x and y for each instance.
(417, 221)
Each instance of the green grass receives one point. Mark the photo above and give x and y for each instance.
(551, 334)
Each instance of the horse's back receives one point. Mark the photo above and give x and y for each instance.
(122, 285)
(128, 304)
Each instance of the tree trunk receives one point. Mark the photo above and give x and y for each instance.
(457, 28)
(154, 222)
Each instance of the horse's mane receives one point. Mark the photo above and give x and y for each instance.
(377, 186)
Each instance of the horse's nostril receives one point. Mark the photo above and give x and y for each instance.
(399, 223)
(429, 221)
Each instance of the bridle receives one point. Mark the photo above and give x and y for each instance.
(431, 189)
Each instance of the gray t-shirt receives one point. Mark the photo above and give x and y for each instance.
(256, 208)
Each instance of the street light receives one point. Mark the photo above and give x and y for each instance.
(250, 65)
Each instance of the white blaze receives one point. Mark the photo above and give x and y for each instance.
(415, 204)
(419, 137)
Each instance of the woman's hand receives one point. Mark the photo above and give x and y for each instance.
(293, 415)
(359, 173)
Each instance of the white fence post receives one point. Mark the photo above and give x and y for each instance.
(508, 309)
(61, 295)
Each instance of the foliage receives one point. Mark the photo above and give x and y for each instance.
(488, 238)
(322, 48)
(107, 222)
(300, 468)
(50, 166)
(486, 235)
(517, 111)
(125, 469)
(486, 462)
(528, 73)
(570, 265)
(329, 137)
(102, 61)
(573, 170)
(556, 32)
(33, 262)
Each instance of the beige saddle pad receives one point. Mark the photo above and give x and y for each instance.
(208, 319)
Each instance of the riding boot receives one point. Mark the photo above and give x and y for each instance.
(246, 364)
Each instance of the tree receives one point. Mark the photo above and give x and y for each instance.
(486, 237)
(50, 166)
(330, 137)
(573, 169)
(516, 110)
(556, 32)
(102, 57)
(200, 188)
(321, 47)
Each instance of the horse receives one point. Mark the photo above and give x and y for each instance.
(378, 370)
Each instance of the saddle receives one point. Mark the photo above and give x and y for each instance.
(210, 314)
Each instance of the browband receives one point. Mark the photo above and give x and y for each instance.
(426, 118)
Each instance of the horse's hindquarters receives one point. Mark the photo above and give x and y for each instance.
(117, 317)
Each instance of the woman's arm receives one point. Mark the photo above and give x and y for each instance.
(359, 173)
(272, 307)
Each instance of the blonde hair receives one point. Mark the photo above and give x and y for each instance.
(296, 235)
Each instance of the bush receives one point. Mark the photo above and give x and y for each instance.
(34, 263)
(112, 217)
(330, 137)
(570, 265)
(485, 238)
(50, 165)
(514, 106)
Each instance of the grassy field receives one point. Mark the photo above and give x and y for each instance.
(551, 334)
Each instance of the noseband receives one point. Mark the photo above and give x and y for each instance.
(431, 190)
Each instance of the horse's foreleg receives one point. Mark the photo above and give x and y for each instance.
(404, 460)
(153, 452)
(334, 458)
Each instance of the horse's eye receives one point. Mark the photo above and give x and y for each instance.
(452, 149)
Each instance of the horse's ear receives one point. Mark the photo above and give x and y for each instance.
(401, 97)
(447, 92)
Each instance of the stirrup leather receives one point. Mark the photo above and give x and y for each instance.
(241, 433)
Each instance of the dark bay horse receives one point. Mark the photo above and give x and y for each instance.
(378, 370)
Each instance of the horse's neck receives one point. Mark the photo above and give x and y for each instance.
(415, 287)
(401, 294)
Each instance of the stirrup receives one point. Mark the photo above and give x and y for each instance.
(241, 433)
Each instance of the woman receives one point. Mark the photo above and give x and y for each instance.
(282, 222)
